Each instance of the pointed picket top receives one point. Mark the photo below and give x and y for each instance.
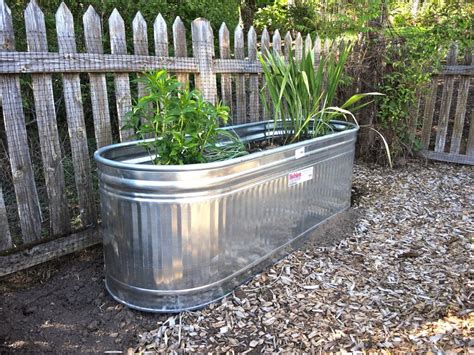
(265, 41)
(299, 47)
(210, 39)
(239, 37)
(93, 31)
(140, 35)
(252, 43)
(288, 45)
(224, 42)
(334, 46)
(179, 38)
(116, 20)
(308, 44)
(160, 30)
(326, 46)
(7, 37)
(342, 45)
(117, 33)
(317, 49)
(116, 24)
(35, 28)
(276, 41)
(139, 24)
(65, 29)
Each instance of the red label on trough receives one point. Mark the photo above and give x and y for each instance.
(300, 176)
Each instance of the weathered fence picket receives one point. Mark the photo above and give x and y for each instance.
(97, 83)
(203, 49)
(446, 99)
(118, 45)
(461, 107)
(180, 47)
(241, 114)
(308, 44)
(299, 47)
(140, 43)
(430, 101)
(265, 48)
(42, 85)
(75, 119)
(317, 51)
(276, 43)
(160, 31)
(288, 44)
(254, 101)
(226, 79)
(15, 131)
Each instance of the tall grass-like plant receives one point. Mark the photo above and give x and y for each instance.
(184, 125)
(301, 94)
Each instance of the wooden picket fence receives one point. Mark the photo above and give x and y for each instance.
(444, 133)
(237, 71)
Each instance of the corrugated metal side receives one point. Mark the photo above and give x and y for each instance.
(164, 253)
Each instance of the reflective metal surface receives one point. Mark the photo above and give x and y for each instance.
(180, 237)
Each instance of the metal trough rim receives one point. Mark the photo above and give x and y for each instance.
(100, 158)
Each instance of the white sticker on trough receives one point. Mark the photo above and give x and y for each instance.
(297, 177)
(299, 153)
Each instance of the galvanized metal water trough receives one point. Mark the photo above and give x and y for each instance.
(180, 237)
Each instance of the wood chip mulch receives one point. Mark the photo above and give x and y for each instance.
(401, 282)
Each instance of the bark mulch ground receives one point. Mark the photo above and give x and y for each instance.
(398, 281)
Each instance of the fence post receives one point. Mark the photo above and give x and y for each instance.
(15, 131)
(203, 50)
(5, 237)
(446, 100)
(75, 119)
(123, 97)
(97, 82)
(47, 125)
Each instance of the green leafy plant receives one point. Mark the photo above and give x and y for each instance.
(184, 125)
(303, 99)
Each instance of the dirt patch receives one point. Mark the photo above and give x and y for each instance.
(62, 306)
